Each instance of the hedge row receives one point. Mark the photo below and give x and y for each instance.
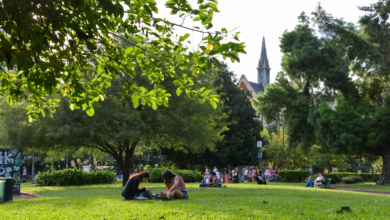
(294, 175)
(73, 177)
(352, 179)
(189, 176)
(338, 177)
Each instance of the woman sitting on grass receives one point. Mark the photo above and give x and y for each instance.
(131, 191)
(214, 182)
(175, 186)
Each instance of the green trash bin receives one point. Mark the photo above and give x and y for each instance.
(8, 190)
(2, 189)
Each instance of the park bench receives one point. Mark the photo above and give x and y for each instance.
(327, 184)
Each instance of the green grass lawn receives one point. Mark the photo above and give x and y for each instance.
(369, 187)
(241, 201)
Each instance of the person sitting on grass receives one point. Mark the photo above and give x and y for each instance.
(260, 180)
(272, 177)
(175, 187)
(131, 191)
(214, 181)
(319, 180)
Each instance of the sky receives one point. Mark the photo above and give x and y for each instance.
(268, 18)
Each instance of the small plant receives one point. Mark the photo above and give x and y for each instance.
(352, 179)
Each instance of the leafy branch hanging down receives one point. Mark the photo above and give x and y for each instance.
(72, 47)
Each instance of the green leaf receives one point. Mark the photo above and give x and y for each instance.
(129, 50)
(202, 61)
(178, 91)
(207, 92)
(90, 111)
(72, 106)
(213, 104)
(135, 99)
(9, 100)
(147, 9)
(4, 83)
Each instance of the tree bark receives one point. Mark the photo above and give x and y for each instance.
(129, 152)
(384, 178)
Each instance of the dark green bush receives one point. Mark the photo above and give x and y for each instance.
(338, 177)
(189, 176)
(352, 179)
(294, 175)
(72, 177)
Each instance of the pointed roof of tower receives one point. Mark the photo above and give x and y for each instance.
(263, 62)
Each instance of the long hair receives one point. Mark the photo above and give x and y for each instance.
(140, 175)
(167, 177)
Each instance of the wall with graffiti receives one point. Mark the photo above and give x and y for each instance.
(10, 166)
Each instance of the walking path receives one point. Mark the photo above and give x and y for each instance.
(365, 191)
(24, 196)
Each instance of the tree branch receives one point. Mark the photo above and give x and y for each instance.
(180, 25)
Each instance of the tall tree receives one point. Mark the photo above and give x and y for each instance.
(47, 45)
(316, 73)
(118, 128)
(238, 146)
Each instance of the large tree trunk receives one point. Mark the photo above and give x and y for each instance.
(384, 178)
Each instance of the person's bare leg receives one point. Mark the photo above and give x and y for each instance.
(175, 194)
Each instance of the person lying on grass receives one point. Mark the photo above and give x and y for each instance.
(319, 180)
(214, 181)
(175, 187)
(131, 191)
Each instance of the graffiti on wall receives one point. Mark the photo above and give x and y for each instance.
(10, 166)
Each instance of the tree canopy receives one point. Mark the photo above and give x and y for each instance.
(70, 46)
(118, 128)
(238, 146)
(321, 103)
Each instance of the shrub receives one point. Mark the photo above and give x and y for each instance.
(338, 177)
(189, 176)
(72, 177)
(352, 179)
(294, 175)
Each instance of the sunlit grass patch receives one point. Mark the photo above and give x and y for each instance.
(241, 201)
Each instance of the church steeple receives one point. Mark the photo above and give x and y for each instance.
(263, 69)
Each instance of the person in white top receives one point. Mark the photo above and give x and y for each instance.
(217, 173)
(319, 180)
(215, 169)
(266, 174)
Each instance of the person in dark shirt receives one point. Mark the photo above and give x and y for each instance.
(131, 191)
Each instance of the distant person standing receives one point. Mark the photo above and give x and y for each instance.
(254, 174)
(227, 175)
(218, 175)
(24, 175)
(207, 173)
(215, 169)
(246, 174)
(235, 175)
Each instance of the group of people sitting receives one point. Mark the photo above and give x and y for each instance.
(175, 187)
(212, 180)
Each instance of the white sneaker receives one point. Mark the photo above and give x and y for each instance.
(142, 198)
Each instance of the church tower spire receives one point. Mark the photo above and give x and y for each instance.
(263, 69)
